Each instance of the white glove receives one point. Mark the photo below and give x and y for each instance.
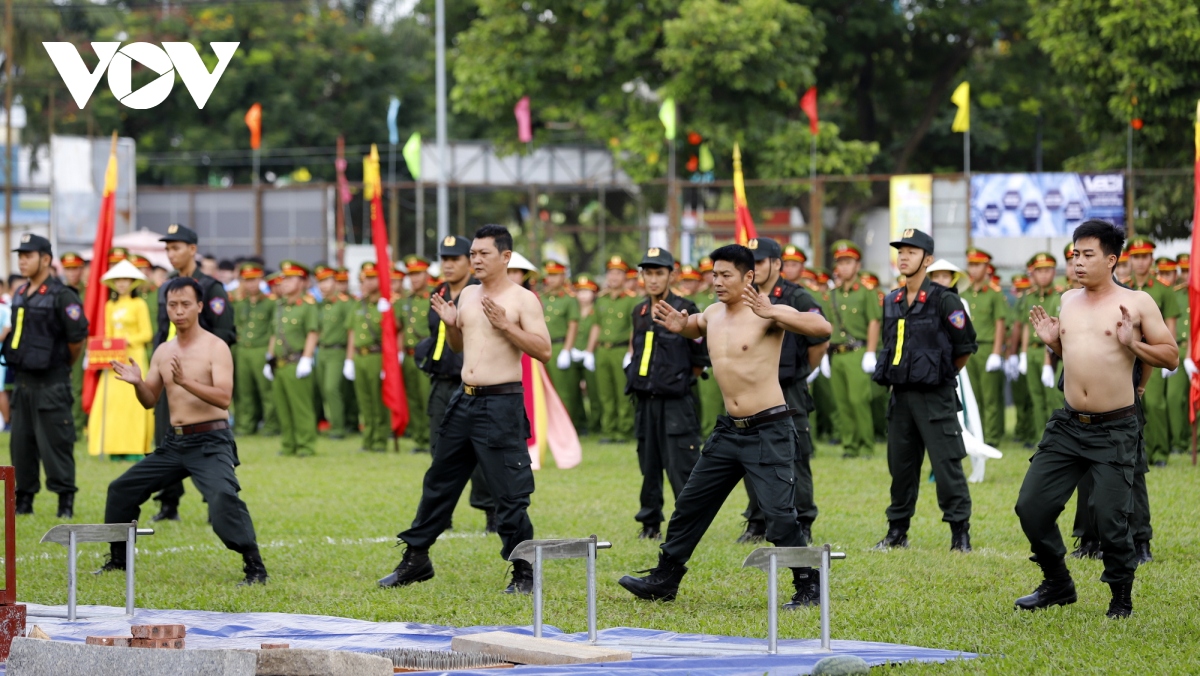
(348, 370)
(1189, 366)
(268, 373)
(868, 362)
(304, 367)
(382, 374)
(813, 376)
(400, 356)
(589, 361)
(826, 370)
(383, 305)
(1022, 364)
(576, 355)
(564, 360)
(994, 363)
(85, 362)
(1048, 375)
(628, 358)
(1011, 368)
(1168, 374)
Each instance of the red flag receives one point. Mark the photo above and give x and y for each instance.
(808, 103)
(1194, 284)
(524, 120)
(93, 306)
(393, 383)
(744, 230)
(254, 122)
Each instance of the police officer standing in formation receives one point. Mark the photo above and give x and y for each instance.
(660, 376)
(73, 266)
(364, 358)
(711, 403)
(443, 365)
(1035, 362)
(48, 332)
(799, 357)
(562, 318)
(989, 310)
(584, 369)
(216, 317)
(415, 315)
(1018, 317)
(854, 313)
(254, 314)
(290, 361)
(1179, 382)
(332, 314)
(609, 343)
(927, 339)
(1158, 428)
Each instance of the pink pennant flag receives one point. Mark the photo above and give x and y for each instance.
(524, 120)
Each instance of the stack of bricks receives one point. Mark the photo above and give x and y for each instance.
(160, 636)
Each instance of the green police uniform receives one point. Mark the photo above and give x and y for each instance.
(294, 321)
(1157, 429)
(824, 418)
(613, 317)
(1023, 430)
(1178, 385)
(415, 308)
(562, 310)
(852, 308)
(1043, 400)
(254, 318)
(333, 312)
(589, 421)
(364, 329)
(987, 305)
(712, 404)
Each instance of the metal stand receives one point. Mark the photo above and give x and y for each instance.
(70, 535)
(769, 559)
(537, 551)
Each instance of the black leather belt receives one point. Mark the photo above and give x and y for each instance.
(606, 346)
(1097, 418)
(844, 348)
(763, 417)
(364, 351)
(486, 390)
(197, 428)
(557, 340)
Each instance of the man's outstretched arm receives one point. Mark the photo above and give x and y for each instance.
(1157, 347)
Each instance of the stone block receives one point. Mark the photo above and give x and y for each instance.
(298, 662)
(524, 649)
(112, 641)
(31, 657)
(157, 643)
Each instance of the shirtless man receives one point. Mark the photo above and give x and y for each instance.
(196, 372)
(491, 325)
(1101, 329)
(756, 440)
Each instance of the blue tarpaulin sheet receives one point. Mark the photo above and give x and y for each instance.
(248, 630)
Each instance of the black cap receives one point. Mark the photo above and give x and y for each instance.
(657, 258)
(454, 246)
(917, 238)
(180, 233)
(32, 242)
(764, 248)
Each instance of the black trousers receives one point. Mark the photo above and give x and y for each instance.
(920, 420)
(488, 432)
(43, 433)
(440, 392)
(764, 455)
(209, 458)
(1139, 520)
(668, 440)
(1068, 450)
(172, 493)
(797, 399)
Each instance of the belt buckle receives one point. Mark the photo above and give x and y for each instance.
(469, 390)
(178, 429)
(1084, 418)
(741, 423)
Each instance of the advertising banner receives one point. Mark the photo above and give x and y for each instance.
(1043, 205)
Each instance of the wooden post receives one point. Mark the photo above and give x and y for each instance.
(534, 256)
(816, 204)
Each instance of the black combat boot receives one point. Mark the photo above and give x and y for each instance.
(1087, 549)
(490, 526)
(661, 584)
(808, 588)
(651, 531)
(1057, 589)
(755, 532)
(166, 513)
(415, 566)
(66, 505)
(897, 536)
(522, 578)
(110, 563)
(256, 572)
(960, 536)
(1121, 605)
(1141, 552)
(24, 503)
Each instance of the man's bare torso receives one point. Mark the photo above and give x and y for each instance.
(1097, 368)
(489, 358)
(744, 349)
(197, 361)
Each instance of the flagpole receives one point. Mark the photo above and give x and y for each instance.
(812, 163)
(672, 203)
(443, 192)
(393, 202)
(1129, 181)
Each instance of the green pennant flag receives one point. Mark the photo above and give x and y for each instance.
(706, 158)
(412, 155)
(666, 113)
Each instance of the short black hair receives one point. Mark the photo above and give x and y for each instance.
(183, 282)
(14, 279)
(497, 233)
(741, 257)
(1112, 238)
(225, 264)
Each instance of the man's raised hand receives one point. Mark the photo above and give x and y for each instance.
(1044, 325)
(669, 318)
(1126, 326)
(757, 302)
(445, 309)
(127, 373)
(177, 370)
(495, 313)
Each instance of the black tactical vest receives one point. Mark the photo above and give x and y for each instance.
(38, 333)
(443, 363)
(916, 351)
(667, 371)
(789, 355)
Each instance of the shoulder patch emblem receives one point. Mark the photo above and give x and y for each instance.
(778, 292)
(958, 319)
(217, 305)
(815, 309)
(74, 311)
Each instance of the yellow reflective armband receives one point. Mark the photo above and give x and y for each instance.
(441, 341)
(899, 342)
(644, 368)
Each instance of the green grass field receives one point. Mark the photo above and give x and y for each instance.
(326, 526)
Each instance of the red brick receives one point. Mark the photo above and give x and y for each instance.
(157, 643)
(274, 646)
(116, 641)
(158, 631)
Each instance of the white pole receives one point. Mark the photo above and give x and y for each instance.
(443, 192)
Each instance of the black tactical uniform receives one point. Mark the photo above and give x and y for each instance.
(920, 344)
(46, 320)
(793, 374)
(216, 317)
(660, 376)
(444, 366)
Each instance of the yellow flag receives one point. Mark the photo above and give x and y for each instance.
(371, 178)
(962, 98)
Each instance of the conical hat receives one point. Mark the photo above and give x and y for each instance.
(519, 262)
(124, 270)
